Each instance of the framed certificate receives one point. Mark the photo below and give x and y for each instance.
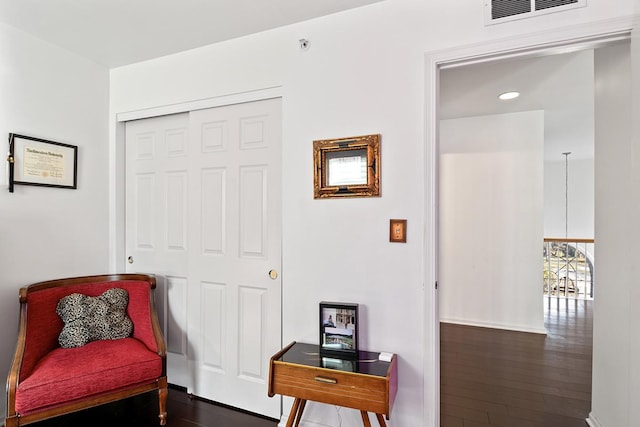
(35, 161)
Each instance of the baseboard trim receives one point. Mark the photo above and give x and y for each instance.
(593, 421)
(516, 328)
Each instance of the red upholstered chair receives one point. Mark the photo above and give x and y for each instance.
(46, 380)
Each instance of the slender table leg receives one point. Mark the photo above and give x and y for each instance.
(294, 412)
(300, 409)
(365, 419)
(381, 420)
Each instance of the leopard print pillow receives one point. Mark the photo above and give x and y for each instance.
(94, 318)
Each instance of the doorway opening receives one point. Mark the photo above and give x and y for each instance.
(502, 166)
(506, 191)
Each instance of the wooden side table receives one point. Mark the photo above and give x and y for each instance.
(366, 384)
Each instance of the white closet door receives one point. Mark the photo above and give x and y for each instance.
(157, 153)
(222, 221)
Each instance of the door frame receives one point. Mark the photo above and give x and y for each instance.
(117, 158)
(566, 39)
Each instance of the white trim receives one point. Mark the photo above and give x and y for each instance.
(200, 104)
(430, 316)
(593, 421)
(516, 328)
(116, 197)
(565, 39)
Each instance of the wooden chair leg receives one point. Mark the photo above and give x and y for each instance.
(11, 422)
(162, 400)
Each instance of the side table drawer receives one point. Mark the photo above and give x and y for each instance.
(363, 392)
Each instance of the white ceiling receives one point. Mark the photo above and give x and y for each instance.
(562, 85)
(121, 32)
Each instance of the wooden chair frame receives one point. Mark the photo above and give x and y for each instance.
(14, 419)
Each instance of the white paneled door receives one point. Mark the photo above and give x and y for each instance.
(204, 214)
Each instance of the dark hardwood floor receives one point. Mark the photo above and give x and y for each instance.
(142, 411)
(492, 377)
(489, 377)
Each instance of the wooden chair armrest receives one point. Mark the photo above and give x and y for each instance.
(155, 325)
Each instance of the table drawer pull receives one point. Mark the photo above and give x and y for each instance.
(326, 380)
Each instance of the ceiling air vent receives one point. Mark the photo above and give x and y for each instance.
(504, 8)
(497, 11)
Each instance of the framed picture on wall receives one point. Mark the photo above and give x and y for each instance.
(339, 329)
(35, 161)
(347, 167)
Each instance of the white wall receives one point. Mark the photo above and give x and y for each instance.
(634, 198)
(364, 73)
(616, 240)
(491, 220)
(336, 250)
(47, 233)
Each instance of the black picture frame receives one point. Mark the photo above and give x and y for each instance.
(36, 161)
(339, 329)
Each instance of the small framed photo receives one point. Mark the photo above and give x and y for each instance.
(347, 167)
(339, 329)
(35, 161)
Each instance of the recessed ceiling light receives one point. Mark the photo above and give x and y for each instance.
(508, 95)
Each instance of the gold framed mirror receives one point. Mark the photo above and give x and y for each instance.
(347, 167)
